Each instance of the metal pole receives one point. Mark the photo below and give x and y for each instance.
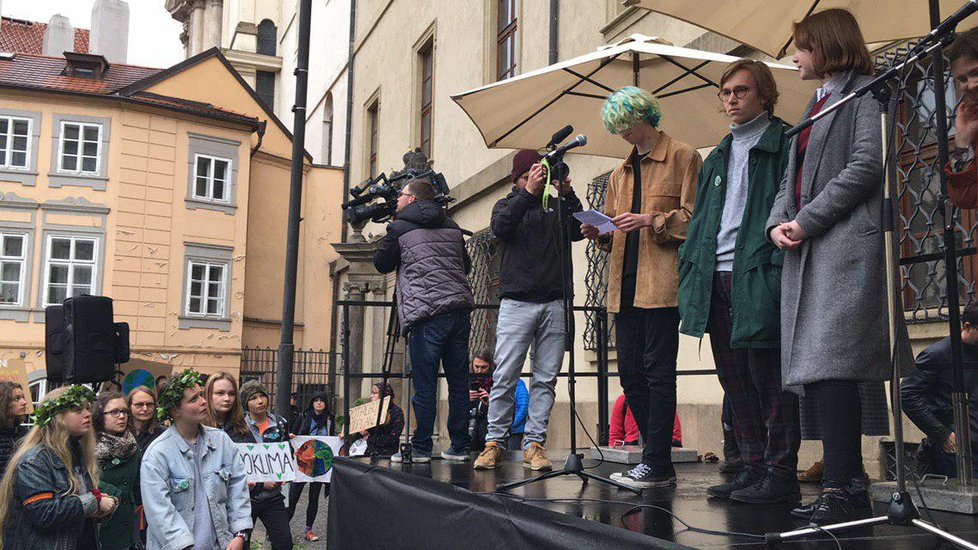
(286, 347)
(959, 398)
(602, 341)
(346, 372)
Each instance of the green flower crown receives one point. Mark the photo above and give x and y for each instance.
(173, 394)
(75, 397)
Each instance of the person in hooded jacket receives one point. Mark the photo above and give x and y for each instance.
(434, 300)
(316, 420)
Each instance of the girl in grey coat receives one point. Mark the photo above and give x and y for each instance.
(826, 218)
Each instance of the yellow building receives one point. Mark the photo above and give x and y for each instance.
(166, 190)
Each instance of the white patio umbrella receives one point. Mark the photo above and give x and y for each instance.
(524, 111)
(766, 24)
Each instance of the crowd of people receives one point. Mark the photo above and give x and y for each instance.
(772, 246)
(151, 470)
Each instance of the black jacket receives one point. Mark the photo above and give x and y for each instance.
(304, 422)
(428, 252)
(9, 440)
(529, 244)
(926, 394)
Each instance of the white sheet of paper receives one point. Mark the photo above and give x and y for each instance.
(597, 219)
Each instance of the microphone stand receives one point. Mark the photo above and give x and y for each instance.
(901, 510)
(574, 465)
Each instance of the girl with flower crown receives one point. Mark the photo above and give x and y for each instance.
(49, 497)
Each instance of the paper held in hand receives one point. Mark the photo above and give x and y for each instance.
(597, 219)
(364, 417)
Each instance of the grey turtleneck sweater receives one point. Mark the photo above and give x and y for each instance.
(745, 136)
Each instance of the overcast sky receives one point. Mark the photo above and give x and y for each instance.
(154, 36)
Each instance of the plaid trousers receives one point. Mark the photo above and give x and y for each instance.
(765, 417)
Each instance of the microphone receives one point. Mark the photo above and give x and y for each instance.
(579, 141)
(561, 135)
(949, 24)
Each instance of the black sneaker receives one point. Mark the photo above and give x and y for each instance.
(644, 476)
(747, 477)
(770, 489)
(834, 506)
(859, 498)
(455, 455)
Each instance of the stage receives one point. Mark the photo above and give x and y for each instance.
(444, 505)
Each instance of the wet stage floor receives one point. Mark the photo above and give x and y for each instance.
(688, 500)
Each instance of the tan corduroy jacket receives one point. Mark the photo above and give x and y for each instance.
(669, 175)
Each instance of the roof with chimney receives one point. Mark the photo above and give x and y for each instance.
(21, 36)
(111, 81)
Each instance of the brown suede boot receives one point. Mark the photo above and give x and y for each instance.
(490, 457)
(813, 474)
(536, 458)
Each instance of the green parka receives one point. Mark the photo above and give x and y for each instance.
(120, 478)
(756, 277)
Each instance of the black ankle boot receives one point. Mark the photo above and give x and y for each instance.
(858, 492)
(748, 476)
(774, 487)
(834, 506)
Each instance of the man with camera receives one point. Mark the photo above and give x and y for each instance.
(531, 310)
(433, 304)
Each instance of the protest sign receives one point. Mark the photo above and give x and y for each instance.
(13, 370)
(364, 417)
(314, 457)
(267, 461)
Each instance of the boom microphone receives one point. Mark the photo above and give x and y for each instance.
(561, 135)
(579, 141)
(949, 24)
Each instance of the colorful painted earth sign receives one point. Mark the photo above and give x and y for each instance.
(136, 378)
(314, 458)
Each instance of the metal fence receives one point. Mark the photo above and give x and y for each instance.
(312, 371)
(596, 277)
(484, 280)
(921, 214)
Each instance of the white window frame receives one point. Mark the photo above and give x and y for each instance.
(81, 147)
(10, 259)
(71, 263)
(210, 179)
(7, 165)
(205, 288)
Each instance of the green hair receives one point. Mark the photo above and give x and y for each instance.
(628, 107)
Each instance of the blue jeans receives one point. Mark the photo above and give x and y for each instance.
(442, 339)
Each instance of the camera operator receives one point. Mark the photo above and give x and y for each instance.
(433, 303)
(531, 310)
(480, 384)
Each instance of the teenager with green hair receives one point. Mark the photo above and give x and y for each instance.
(650, 200)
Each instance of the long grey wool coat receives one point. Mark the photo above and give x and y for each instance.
(833, 290)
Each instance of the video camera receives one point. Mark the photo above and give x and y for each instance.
(359, 209)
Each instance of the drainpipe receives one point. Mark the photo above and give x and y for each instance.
(349, 112)
(554, 29)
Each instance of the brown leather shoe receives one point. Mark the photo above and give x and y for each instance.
(536, 458)
(813, 474)
(490, 457)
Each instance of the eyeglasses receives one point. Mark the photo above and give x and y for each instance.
(142, 405)
(403, 194)
(740, 92)
(117, 413)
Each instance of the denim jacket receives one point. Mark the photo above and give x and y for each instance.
(41, 516)
(167, 487)
(259, 493)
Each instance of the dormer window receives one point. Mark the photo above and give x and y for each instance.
(85, 65)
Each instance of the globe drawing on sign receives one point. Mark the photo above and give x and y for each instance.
(314, 458)
(136, 378)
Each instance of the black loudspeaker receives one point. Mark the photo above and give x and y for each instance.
(122, 343)
(90, 338)
(54, 343)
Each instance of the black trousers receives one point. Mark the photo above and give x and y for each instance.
(648, 345)
(275, 518)
(838, 404)
(295, 492)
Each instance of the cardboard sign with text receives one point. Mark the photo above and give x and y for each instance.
(314, 457)
(14, 370)
(267, 461)
(364, 417)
